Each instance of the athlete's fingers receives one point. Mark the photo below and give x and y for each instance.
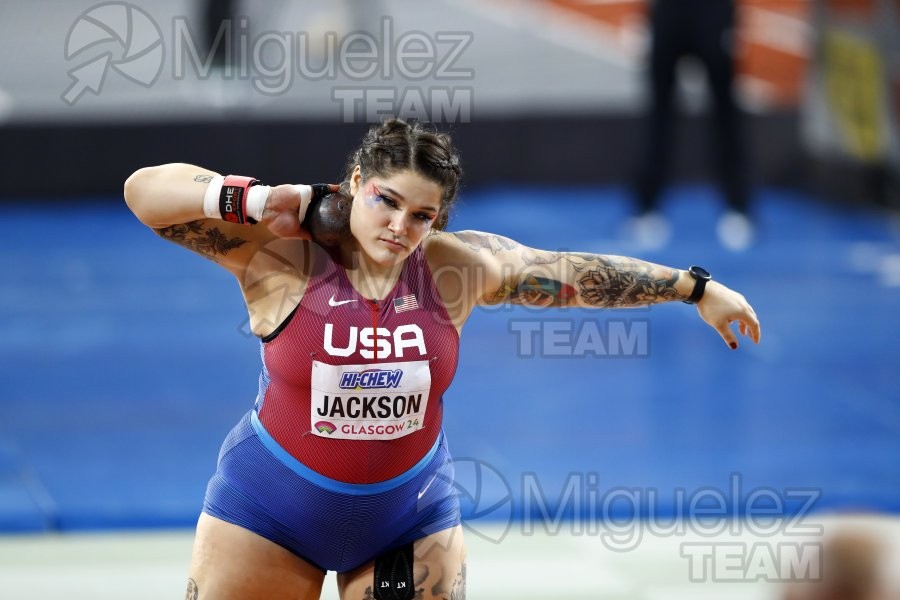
(724, 329)
(323, 189)
(753, 325)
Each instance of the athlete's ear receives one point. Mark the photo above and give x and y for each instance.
(355, 180)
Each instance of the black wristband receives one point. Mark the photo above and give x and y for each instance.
(701, 277)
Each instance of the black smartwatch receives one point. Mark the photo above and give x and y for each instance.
(701, 276)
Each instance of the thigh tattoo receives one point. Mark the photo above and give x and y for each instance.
(457, 589)
(192, 590)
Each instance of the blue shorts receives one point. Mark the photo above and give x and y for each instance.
(334, 525)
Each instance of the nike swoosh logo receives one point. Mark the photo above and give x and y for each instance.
(422, 493)
(333, 302)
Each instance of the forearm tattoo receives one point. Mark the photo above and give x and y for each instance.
(618, 282)
(192, 590)
(576, 278)
(207, 241)
(203, 178)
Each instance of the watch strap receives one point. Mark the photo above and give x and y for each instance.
(699, 286)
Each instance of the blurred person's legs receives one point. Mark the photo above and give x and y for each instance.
(714, 44)
(222, 85)
(216, 14)
(650, 229)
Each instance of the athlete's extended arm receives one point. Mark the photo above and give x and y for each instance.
(517, 274)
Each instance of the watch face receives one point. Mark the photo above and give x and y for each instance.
(700, 272)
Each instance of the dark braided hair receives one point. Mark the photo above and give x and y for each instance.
(396, 145)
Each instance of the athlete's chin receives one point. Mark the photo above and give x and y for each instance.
(392, 258)
(387, 256)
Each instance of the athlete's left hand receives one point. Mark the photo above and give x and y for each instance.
(721, 306)
(285, 210)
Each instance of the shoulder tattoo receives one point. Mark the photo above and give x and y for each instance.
(485, 241)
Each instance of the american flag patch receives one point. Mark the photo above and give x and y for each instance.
(404, 303)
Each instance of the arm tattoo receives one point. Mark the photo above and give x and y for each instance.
(532, 290)
(576, 259)
(192, 590)
(203, 178)
(209, 242)
(570, 278)
(597, 280)
(485, 241)
(617, 282)
(529, 289)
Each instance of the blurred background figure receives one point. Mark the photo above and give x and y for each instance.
(854, 567)
(702, 30)
(217, 14)
(851, 113)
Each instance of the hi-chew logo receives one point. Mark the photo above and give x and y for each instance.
(370, 379)
(118, 35)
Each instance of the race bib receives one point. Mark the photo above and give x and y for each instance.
(369, 402)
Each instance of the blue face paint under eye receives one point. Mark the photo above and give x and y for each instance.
(376, 196)
(373, 197)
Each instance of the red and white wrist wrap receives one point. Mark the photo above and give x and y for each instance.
(235, 199)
